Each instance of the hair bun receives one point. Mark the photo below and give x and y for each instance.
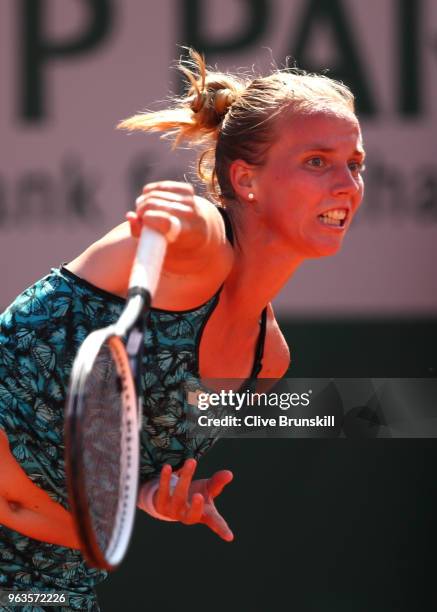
(224, 98)
(212, 104)
(210, 94)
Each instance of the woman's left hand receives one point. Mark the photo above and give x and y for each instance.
(193, 501)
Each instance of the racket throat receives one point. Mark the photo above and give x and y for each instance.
(135, 350)
(134, 347)
(144, 293)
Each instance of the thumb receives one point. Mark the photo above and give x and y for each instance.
(217, 523)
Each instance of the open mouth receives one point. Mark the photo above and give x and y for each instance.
(335, 217)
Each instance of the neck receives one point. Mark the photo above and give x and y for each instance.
(263, 264)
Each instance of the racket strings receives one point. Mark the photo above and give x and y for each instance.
(102, 444)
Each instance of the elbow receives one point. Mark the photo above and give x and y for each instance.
(14, 506)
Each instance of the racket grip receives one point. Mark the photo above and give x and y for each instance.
(147, 266)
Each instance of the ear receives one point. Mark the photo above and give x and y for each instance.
(243, 178)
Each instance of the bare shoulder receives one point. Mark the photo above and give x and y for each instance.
(106, 262)
(276, 359)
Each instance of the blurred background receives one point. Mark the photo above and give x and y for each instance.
(320, 525)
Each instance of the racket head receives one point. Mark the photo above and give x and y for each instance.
(102, 448)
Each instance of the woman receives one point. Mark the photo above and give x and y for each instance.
(282, 157)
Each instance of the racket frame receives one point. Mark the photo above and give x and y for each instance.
(129, 468)
(130, 326)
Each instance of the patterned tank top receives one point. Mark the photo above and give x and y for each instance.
(40, 334)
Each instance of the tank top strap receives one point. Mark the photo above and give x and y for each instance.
(228, 224)
(257, 365)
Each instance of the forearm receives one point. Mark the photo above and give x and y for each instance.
(28, 509)
(54, 526)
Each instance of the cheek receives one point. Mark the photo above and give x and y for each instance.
(291, 191)
(308, 194)
(360, 195)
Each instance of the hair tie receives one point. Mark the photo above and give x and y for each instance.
(198, 102)
(223, 101)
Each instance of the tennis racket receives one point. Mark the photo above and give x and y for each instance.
(103, 416)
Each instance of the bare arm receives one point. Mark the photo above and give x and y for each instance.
(26, 508)
(195, 265)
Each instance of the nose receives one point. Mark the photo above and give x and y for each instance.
(345, 183)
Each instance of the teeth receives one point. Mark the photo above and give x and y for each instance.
(330, 221)
(338, 213)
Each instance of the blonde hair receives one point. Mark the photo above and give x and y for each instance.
(231, 117)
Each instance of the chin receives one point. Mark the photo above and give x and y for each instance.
(324, 250)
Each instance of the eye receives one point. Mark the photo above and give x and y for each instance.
(357, 167)
(316, 162)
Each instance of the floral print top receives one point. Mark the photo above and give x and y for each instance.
(40, 334)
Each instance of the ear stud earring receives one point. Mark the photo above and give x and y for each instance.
(251, 196)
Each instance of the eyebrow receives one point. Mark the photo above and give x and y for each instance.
(322, 149)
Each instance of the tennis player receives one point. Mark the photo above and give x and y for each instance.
(282, 157)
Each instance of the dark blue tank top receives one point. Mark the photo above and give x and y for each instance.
(40, 334)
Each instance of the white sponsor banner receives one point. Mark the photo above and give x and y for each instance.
(71, 70)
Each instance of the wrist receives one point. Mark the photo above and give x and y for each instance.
(146, 498)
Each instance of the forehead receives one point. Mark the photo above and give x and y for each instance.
(321, 130)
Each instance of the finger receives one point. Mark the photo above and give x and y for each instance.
(165, 205)
(218, 481)
(217, 524)
(195, 511)
(167, 196)
(162, 496)
(180, 497)
(174, 186)
(135, 223)
(163, 222)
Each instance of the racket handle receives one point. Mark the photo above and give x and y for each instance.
(149, 258)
